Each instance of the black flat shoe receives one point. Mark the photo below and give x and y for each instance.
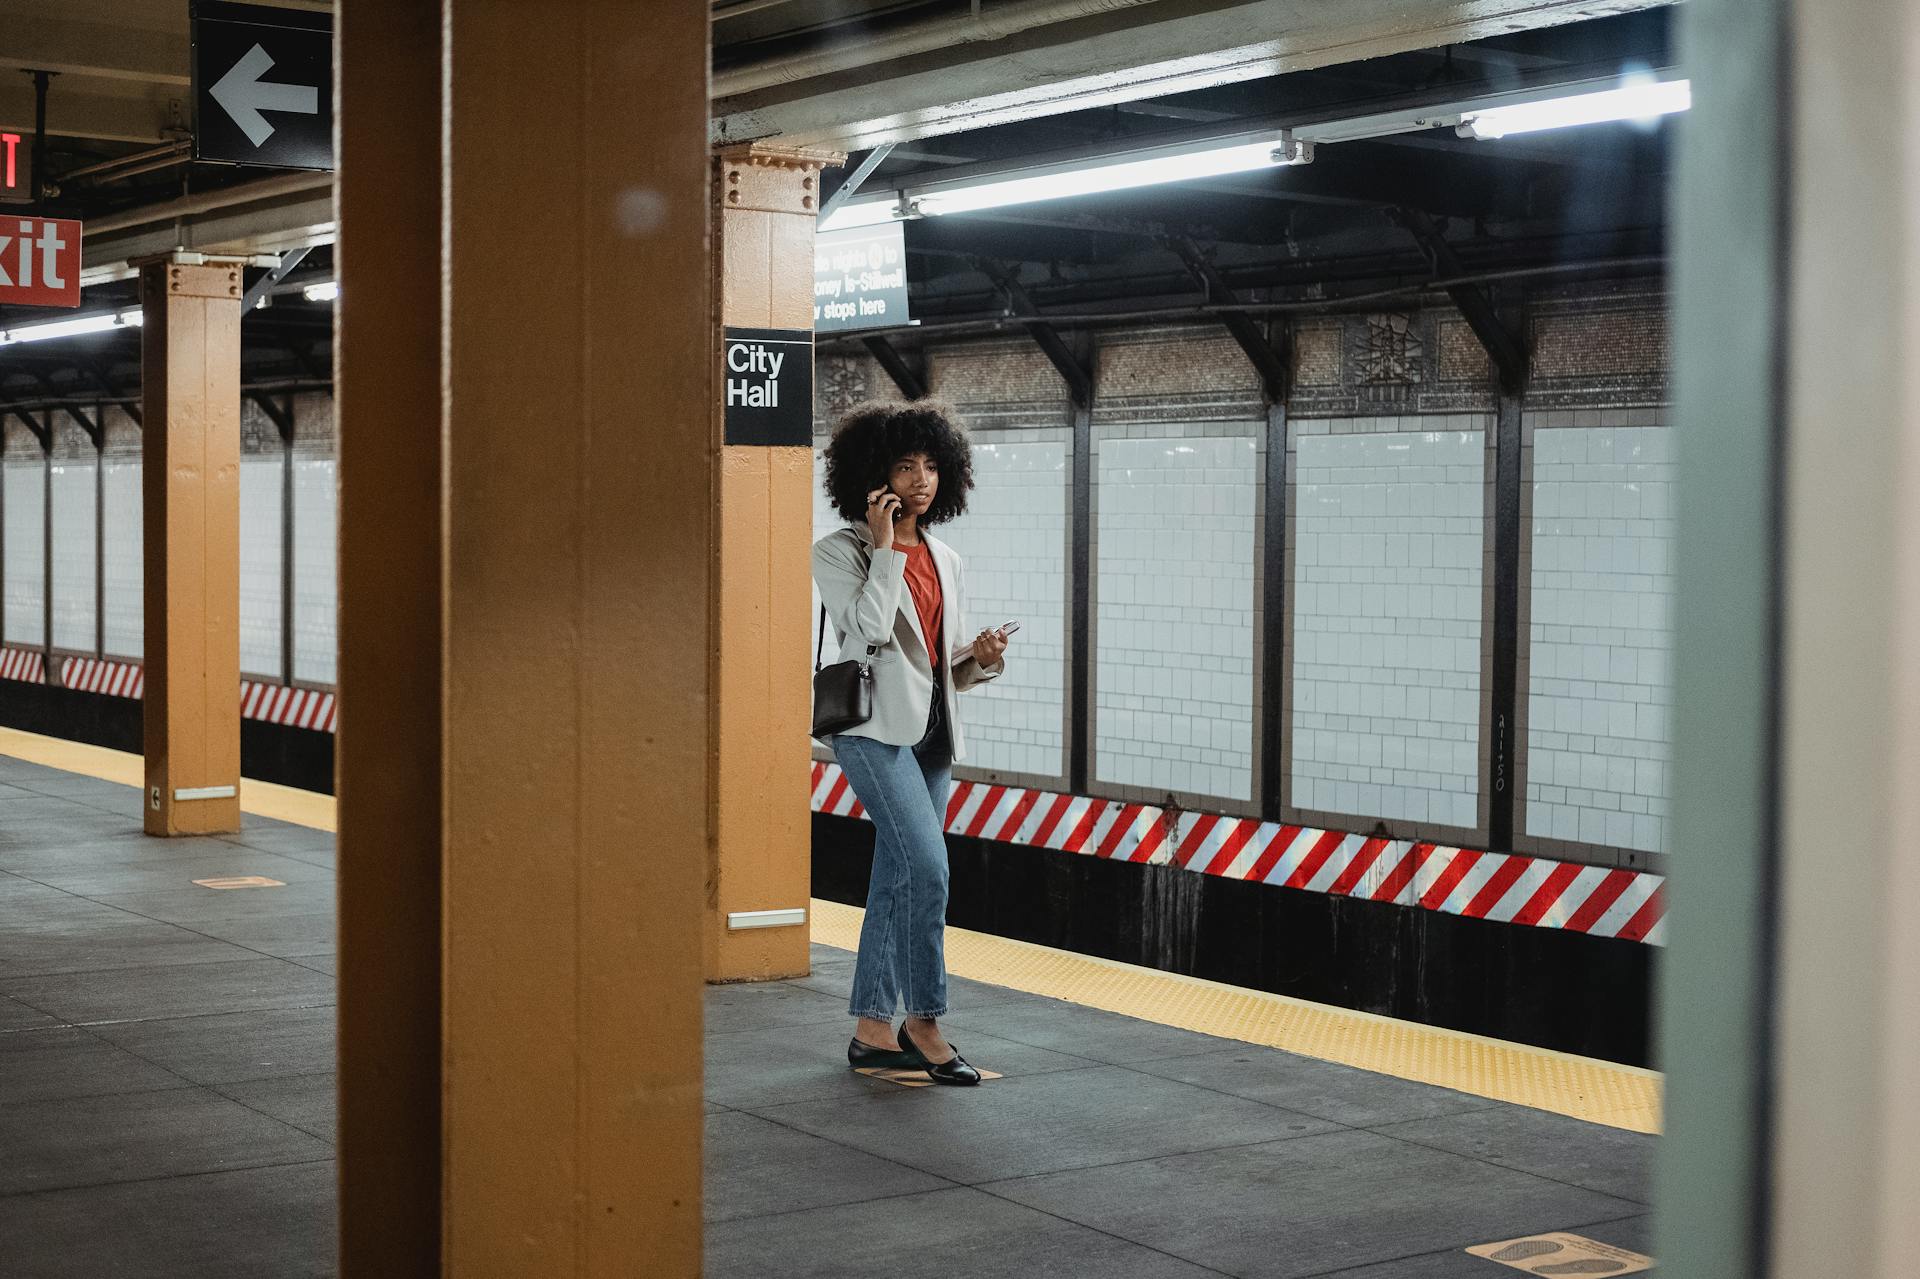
(866, 1057)
(954, 1070)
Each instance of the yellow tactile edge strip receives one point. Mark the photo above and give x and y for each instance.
(1598, 1091)
(262, 799)
(1620, 1096)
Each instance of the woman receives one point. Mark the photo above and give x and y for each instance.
(894, 470)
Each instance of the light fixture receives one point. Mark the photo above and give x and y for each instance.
(325, 291)
(1083, 176)
(1637, 98)
(78, 326)
(870, 213)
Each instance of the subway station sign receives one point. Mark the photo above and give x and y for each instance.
(860, 279)
(262, 86)
(16, 168)
(39, 261)
(766, 386)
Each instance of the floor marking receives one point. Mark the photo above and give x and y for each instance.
(242, 881)
(1559, 1254)
(907, 1077)
(1581, 1087)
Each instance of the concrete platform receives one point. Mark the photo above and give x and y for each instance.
(166, 1106)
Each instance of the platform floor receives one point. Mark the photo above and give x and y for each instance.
(166, 1106)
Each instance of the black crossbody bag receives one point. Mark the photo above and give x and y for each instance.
(843, 692)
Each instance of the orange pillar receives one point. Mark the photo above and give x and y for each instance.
(190, 373)
(759, 870)
(525, 381)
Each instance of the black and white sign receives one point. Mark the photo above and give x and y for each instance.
(262, 86)
(766, 381)
(860, 279)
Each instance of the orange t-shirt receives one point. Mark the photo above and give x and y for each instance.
(924, 581)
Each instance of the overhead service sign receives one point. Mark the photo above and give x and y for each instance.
(39, 261)
(262, 86)
(860, 279)
(766, 379)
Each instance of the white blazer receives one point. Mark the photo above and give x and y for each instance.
(869, 602)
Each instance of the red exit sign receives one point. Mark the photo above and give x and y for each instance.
(16, 169)
(39, 261)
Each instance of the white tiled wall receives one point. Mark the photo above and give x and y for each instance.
(1174, 565)
(125, 622)
(315, 512)
(1386, 598)
(1014, 541)
(25, 621)
(75, 526)
(1600, 685)
(261, 484)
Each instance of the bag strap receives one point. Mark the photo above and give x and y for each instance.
(821, 643)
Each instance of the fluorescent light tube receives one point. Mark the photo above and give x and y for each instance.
(325, 291)
(869, 213)
(77, 327)
(1116, 173)
(1638, 99)
(1092, 176)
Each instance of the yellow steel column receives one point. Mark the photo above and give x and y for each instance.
(767, 198)
(553, 505)
(190, 373)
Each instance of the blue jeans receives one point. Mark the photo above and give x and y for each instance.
(904, 789)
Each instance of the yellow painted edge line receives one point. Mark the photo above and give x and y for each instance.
(1581, 1087)
(262, 799)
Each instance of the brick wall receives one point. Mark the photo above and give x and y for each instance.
(999, 383)
(1189, 374)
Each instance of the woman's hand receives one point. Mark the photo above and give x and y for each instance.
(989, 646)
(881, 505)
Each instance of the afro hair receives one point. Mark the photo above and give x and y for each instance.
(873, 436)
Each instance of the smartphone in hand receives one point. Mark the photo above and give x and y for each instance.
(965, 651)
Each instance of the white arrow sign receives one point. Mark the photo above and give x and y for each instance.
(244, 95)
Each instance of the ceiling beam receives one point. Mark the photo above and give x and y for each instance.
(42, 431)
(102, 110)
(1507, 351)
(119, 42)
(912, 383)
(288, 261)
(1077, 376)
(949, 75)
(278, 409)
(1269, 363)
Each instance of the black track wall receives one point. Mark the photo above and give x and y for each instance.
(268, 752)
(1541, 986)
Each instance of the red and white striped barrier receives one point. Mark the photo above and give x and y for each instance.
(281, 704)
(273, 703)
(92, 675)
(23, 663)
(1503, 887)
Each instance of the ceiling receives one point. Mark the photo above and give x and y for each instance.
(1590, 197)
